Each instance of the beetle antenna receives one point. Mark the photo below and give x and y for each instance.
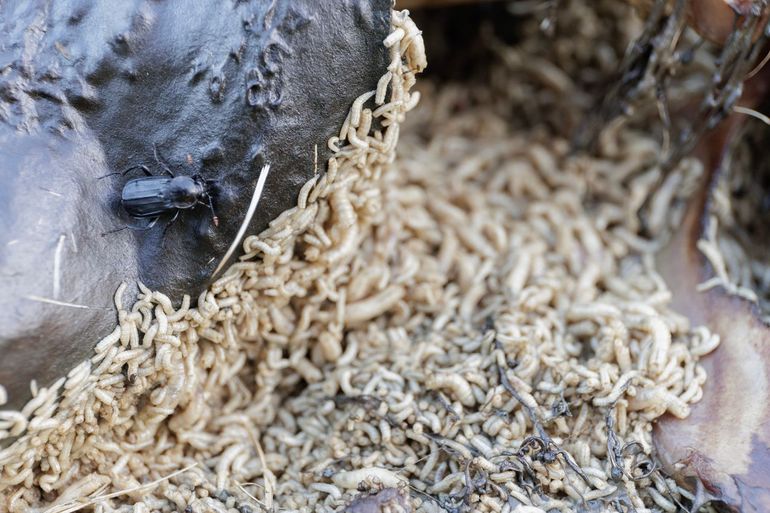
(128, 170)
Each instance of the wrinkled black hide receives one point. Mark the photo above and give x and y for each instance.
(87, 87)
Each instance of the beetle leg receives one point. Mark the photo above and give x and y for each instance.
(160, 162)
(140, 166)
(135, 228)
(165, 229)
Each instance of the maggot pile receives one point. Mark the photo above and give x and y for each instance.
(470, 323)
(734, 239)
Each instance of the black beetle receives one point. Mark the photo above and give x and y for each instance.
(153, 196)
(149, 197)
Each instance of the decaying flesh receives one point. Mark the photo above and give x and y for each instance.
(656, 57)
(723, 447)
(725, 443)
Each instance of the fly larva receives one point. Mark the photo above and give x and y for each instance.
(164, 301)
(355, 110)
(708, 343)
(447, 483)
(225, 460)
(622, 354)
(373, 306)
(602, 492)
(413, 46)
(118, 299)
(305, 191)
(361, 144)
(84, 487)
(693, 393)
(334, 144)
(351, 351)
(661, 501)
(481, 443)
(351, 479)
(343, 208)
(391, 137)
(385, 431)
(593, 311)
(107, 359)
(661, 343)
(281, 322)
(256, 246)
(328, 489)
(320, 190)
(454, 383)
(659, 211)
(133, 332)
(108, 341)
(618, 390)
(160, 316)
(366, 125)
(103, 396)
(413, 99)
(219, 285)
(330, 346)
(229, 302)
(125, 329)
(307, 370)
(303, 222)
(342, 295)
(382, 88)
(345, 248)
(394, 37)
(78, 375)
(658, 400)
(385, 109)
(13, 422)
(213, 335)
(182, 311)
